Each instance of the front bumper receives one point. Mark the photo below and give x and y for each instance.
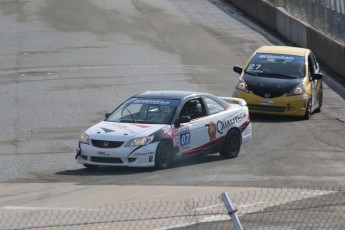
(122, 156)
(284, 105)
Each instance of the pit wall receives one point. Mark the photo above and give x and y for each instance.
(327, 50)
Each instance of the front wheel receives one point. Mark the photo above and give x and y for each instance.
(232, 144)
(318, 110)
(307, 113)
(164, 155)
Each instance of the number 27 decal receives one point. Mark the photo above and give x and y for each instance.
(254, 66)
(184, 138)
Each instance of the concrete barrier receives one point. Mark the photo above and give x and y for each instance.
(291, 28)
(327, 50)
(260, 10)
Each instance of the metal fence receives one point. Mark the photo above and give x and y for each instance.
(328, 16)
(262, 209)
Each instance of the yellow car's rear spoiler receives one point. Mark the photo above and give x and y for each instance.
(240, 101)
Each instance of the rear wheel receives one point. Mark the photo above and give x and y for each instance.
(164, 155)
(232, 144)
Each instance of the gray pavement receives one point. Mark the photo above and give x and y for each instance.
(67, 195)
(64, 64)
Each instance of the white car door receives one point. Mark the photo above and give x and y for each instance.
(193, 136)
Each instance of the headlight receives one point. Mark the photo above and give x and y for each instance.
(139, 141)
(242, 85)
(84, 138)
(298, 90)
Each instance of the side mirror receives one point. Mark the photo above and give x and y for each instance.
(183, 119)
(317, 76)
(237, 69)
(107, 115)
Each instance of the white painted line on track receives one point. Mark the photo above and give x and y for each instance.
(250, 205)
(209, 207)
(46, 208)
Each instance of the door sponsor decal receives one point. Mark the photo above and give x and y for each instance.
(212, 130)
(185, 138)
(229, 121)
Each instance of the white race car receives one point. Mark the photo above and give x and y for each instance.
(153, 128)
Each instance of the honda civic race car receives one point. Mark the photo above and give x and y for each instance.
(153, 128)
(281, 80)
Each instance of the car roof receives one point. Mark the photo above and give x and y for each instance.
(169, 94)
(289, 50)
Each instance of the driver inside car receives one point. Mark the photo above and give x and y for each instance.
(189, 109)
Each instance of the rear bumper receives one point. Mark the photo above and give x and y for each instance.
(247, 133)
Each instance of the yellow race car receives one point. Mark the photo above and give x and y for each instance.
(281, 80)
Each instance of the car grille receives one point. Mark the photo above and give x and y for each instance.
(106, 160)
(106, 144)
(265, 108)
(268, 93)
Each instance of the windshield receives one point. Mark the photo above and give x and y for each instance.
(145, 110)
(276, 66)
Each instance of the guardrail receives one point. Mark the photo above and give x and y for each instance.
(327, 16)
(273, 14)
(299, 208)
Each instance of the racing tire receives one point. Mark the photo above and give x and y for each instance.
(164, 155)
(307, 113)
(90, 167)
(232, 144)
(318, 110)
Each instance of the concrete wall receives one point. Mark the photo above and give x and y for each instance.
(291, 28)
(326, 49)
(329, 51)
(260, 10)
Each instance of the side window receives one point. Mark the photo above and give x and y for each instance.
(313, 66)
(213, 106)
(193, 108)
(316, 64)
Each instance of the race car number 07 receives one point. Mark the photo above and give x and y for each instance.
(184, 138)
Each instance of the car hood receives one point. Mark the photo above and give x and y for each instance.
(269, 87)
(115, 131)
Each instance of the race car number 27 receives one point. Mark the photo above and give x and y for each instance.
(185, 138)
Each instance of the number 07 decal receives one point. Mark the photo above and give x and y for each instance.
(185, 138)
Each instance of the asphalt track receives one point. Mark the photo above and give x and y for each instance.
(64, 64)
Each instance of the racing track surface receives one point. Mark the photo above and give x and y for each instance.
(64, 64)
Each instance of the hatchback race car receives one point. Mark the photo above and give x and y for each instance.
(281, 80)
(153, 128)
